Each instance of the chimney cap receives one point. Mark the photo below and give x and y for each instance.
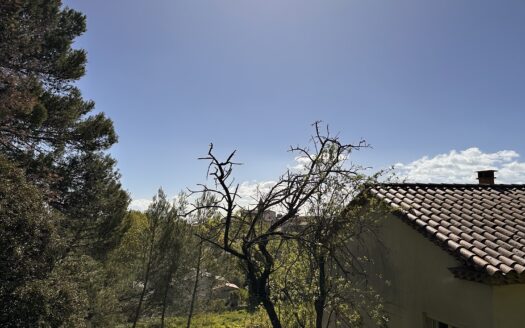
(486, 177)
(486, 173)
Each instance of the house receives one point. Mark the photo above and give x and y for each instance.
(454, 254)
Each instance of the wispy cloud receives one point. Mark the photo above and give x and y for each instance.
(461, 167)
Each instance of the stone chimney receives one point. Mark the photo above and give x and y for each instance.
(486, 177)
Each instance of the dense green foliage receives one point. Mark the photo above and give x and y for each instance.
(166, 255)
(62, 200)
(31, 291)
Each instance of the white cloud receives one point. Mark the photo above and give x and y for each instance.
(461, 167)
(250, 190)
(140, 204)
(301, 164)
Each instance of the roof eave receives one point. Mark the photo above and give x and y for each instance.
(467, 273)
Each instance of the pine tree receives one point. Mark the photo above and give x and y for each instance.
(45, 125)
(56, 235)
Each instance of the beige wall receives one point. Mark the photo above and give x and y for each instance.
(509, 305)
(420, 283)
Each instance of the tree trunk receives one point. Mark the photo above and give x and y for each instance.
(253, 294)
(195, 286)
(321, 298)
(146, 278)
(270, 310)
(165, 296)
(258, 293)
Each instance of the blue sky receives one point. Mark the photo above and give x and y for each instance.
(414, 78)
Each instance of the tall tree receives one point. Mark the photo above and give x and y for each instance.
(167, 246)
(45, 126)
(48, 133)
(203, 214)
(173, 263)
(125, 264)
(159, 212)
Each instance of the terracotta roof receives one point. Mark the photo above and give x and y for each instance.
(482, 225)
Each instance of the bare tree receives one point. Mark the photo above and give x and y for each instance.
(245, 232)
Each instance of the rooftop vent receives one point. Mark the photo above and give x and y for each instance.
(486, 177)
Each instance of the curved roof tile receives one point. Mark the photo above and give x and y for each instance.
(482, 225)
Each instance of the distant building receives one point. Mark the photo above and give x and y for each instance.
(267, 215)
